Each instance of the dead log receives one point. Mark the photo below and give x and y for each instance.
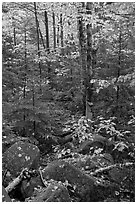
(16, 181)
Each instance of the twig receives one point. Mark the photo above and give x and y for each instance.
(101, 170)
(41, 177)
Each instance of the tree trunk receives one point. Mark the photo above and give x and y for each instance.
(61, 33)
(54, 30)
(25, 71)
(47, 30)
(24, 90)
(33, 102)
(90, 65)
(42, 38)
(89, 86)
(58, 36)
(118, 70)
(38, 42)
(14, 31)
(86, 57)
(37, 27)
(83, 60)
(47, 43)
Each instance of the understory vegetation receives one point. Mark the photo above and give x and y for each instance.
(68, 101)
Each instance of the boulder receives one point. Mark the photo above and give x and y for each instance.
(84, 187)
(91, 163)
(21, 155)
(122, 175)
(82, 184)
(46, 144)
(64, 140)
(102, 160)
(27, 187)
(56, 192)
(83, 162)
(96, 141)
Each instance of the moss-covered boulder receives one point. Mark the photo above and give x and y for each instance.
(46, 145)
(83, 162)
(82, 184)
(55, 192)
(123, 175)
(95, 142)
(103, 160)
(91, 163)
(21, 155)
